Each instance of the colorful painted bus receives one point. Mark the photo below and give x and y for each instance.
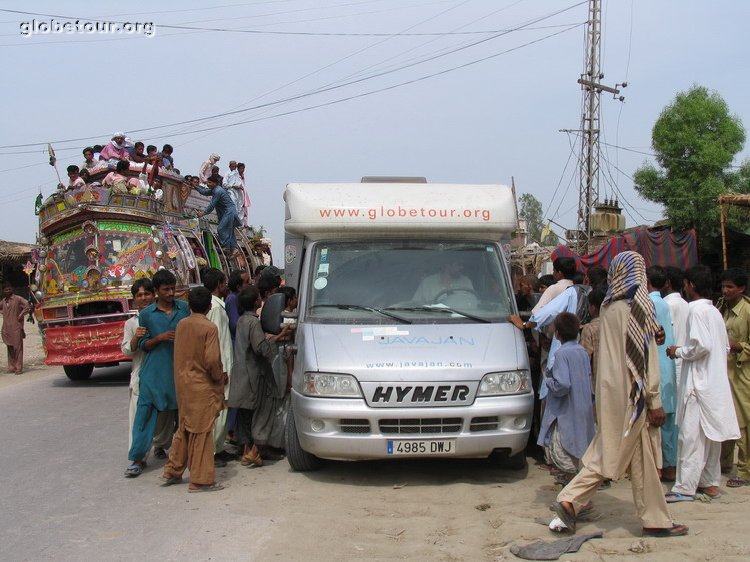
(94, 242)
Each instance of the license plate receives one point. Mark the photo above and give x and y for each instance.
(416, 447)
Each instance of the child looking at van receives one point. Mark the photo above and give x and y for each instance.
(568, 422)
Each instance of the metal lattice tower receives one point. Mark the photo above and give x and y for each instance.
(590, 123)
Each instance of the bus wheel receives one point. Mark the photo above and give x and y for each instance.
(299, 459)
(78, 372)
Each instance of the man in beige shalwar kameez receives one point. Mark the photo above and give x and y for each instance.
(199, 381)
(13, 308)
(628, 405)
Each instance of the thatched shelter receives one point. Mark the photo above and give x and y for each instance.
(735, 200)
(13, 257)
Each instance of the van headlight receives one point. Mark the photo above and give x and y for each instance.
(331, 385)
(507, 382)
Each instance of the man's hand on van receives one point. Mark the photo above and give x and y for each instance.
(516, 321)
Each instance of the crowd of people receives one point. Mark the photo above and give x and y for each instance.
(207, 383)
(639, 373)
(228, 193)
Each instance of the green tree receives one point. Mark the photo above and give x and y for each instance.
(695, 140)
(531, 210)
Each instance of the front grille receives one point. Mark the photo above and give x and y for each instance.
(487, 423)
(420, 426)
(354, 426)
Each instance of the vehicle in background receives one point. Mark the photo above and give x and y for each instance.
(94, 242)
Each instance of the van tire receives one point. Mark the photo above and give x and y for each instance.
(78, 372)
(516, 462)
(502, 459)
(299, 459)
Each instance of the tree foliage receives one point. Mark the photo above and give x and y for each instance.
(695, 140)
(531, 210)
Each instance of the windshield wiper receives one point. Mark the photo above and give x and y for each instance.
(440, 308)
(360, 307)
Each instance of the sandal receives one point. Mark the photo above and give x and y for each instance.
(207, 488)
(171, 480)
(251, 459)
(737, 482)
(673, 531)
(565, 516)
(160, 453)
(714, 496)
(135, 469)
(675, 497)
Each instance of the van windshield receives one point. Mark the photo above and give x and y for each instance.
(408, 281)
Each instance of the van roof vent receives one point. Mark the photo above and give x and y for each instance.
(393, 179)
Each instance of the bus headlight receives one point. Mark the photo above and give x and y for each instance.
(331, 385)
(507, 382)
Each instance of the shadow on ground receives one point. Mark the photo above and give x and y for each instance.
(106, 376)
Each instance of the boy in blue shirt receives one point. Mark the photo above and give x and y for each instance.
(568, 422)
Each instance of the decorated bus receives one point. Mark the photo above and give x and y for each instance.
(95, 241)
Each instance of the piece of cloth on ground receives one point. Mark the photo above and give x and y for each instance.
(541, 550)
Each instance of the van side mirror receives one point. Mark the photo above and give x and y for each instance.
(270, 316)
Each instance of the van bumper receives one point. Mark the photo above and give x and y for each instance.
(347, 429)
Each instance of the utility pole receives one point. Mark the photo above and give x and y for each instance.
(590, 118)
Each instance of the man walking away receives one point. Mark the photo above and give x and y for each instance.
(705, 413)
(199, 382)
(628, 406)
(737, 319)
(14, 308)
(156, 388)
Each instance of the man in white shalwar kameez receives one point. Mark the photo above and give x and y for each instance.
(705, 411)
(216, 281)
(678, 310)
(234, 185)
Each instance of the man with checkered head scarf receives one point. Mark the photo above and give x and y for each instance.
(628, 405)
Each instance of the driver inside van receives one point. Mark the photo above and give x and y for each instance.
(450, 278)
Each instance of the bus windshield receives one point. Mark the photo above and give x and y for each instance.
(116, 255)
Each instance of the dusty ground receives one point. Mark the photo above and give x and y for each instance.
(419, 510)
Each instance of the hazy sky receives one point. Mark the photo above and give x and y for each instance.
(423, 102)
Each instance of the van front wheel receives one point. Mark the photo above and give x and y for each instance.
(299, 459)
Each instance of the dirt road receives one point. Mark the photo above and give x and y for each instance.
(64, 447)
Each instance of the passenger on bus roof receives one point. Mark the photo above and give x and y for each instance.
(166, 156)
(205, 170)
(74, 179)
(115, 150)
(118, 181)
(90, 163)
(138, 155)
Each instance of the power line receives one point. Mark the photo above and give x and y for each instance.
(273, 32)
(329, 65)
(335, 87)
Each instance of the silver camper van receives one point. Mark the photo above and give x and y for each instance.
(403, 347)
